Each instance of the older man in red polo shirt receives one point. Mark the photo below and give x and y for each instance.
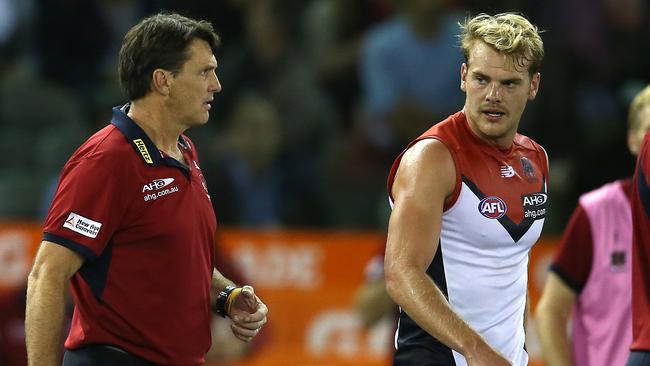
(132, 225)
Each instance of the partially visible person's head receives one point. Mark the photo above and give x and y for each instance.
(638, 120)
(427, 7)
(509, 34)
(161, 41)
(423, 15)
(272, 28)
(501, 74)
(256, 116)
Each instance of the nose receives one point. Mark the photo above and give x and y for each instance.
(494, 93)
(215, 84)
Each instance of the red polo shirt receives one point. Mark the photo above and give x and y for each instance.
(145, 225)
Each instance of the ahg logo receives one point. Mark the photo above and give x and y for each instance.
(492, 207)
(535, 199)
(534, 205)
(157, 184)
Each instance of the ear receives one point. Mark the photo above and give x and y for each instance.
(463, 77)
(161, 81)
(534, 86)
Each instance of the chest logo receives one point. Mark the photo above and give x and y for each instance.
(492, 207)
(534, 200)
(534, 205)
(507, 171)
(154, 190)
(157, 184)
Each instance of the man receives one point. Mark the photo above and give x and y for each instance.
(132, 225)
(591, 272)
(640, 355)
(468, 204)
(408, 68)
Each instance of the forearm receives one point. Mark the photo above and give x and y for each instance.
(553, 337)
(219, 282)
(44, 316)
(423, 301)
(373, 302)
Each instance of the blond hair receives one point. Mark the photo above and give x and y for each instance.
(508, 33)
(640, 101)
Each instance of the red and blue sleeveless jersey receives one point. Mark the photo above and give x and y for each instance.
(494, 217)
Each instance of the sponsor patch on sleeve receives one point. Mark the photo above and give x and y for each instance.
(82, 225)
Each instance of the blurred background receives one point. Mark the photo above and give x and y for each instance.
(319, 96)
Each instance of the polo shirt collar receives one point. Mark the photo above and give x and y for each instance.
(138, 138)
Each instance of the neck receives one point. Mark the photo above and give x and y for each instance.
(154, 120)
(501, 143)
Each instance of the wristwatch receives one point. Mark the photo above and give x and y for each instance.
(222, 299)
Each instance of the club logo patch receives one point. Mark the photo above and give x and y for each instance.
(529, 170)
(492, 207)
(82, 225)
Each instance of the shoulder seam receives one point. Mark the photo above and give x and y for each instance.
(92, 153)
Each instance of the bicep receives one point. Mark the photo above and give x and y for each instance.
(425, 179)
(573, 260)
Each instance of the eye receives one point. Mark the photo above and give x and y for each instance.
(481, 79)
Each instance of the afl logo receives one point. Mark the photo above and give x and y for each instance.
(492, 207)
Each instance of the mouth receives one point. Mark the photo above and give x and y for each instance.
(493, 114)
(207, 104)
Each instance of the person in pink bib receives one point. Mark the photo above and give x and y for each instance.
(590, 276)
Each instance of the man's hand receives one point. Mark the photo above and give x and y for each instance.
(248, 314)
